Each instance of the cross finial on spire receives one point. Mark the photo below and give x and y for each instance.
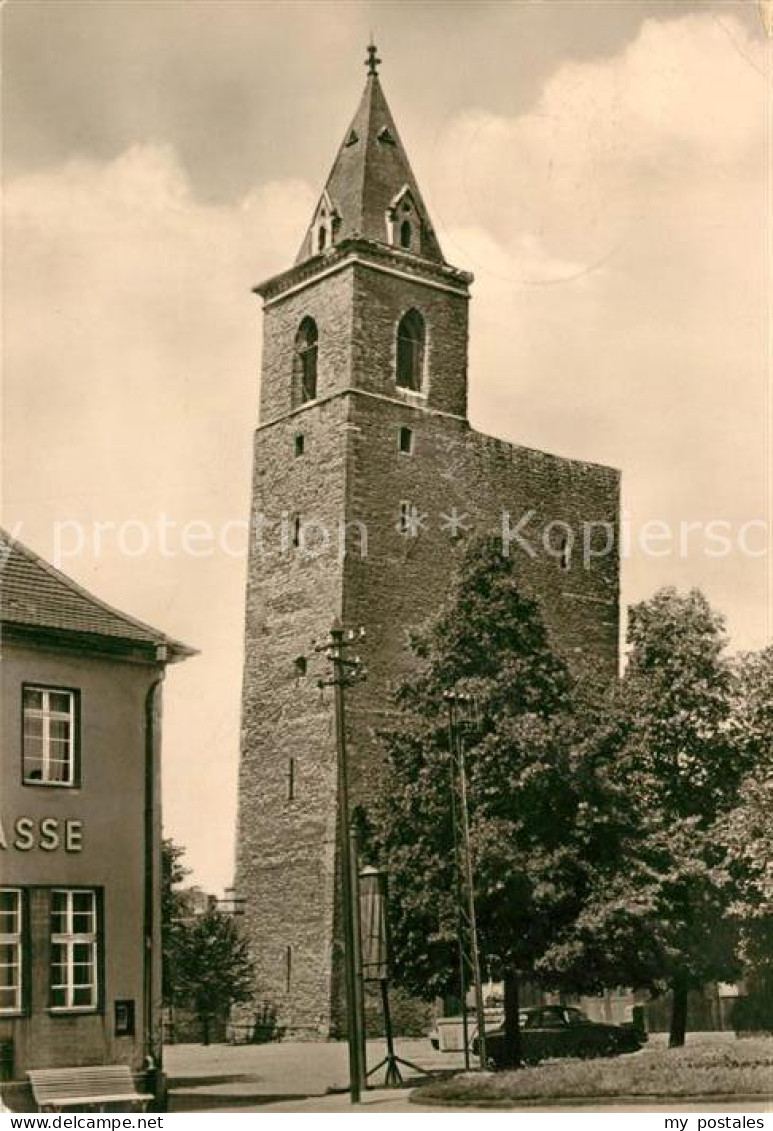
(372, 62)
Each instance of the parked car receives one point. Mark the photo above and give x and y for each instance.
(558, 1030)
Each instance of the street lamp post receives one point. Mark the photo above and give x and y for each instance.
(375, 965)
(461, 712)
(345, 672)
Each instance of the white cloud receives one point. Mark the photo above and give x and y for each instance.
(610, 142)
(616, 233)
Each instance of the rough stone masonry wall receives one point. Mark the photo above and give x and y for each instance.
(380, 301)
(403, 579)
(329, 303)
(285, 846)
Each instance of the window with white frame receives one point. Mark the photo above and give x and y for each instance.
(49, 736)
(10, 950)
(74, 950)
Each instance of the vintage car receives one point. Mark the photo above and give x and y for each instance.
(556, 1030)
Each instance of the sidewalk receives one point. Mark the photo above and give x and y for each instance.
(382, 1102)
(237, 1077)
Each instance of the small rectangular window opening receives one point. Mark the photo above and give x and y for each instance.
(288, 968)
(299, 444)
(405, 441)
(301, 665)
(291, 779)
(296, 530)
(406, 511)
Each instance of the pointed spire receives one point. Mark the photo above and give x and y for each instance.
(371, 191)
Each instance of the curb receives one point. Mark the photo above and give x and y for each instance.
(526, 1102)
(184, 1103)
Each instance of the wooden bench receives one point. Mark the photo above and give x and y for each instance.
(96, 1086)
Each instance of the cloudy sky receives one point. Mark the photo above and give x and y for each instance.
(599, 166)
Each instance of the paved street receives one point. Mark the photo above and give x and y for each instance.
(296, 1076)
(287, 1071)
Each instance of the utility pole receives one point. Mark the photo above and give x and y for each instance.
(345, 672)
(461, 714)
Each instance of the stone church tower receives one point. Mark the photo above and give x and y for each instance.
(368, 481)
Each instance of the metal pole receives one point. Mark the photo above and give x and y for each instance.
(350, 964)
(452, 738)
(358, 979)
(471, 909)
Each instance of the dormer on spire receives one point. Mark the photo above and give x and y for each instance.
(371, 171)
(403, 221)
(324, 226)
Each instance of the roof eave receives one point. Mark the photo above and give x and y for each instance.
(351, 248)
(157, 651)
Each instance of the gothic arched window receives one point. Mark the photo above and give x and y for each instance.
(405, 234)
(410, 351)
(305, 363)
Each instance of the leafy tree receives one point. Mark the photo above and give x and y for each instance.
(746, 831)
(751, 715)
(747, 835)
(206, 966)
(173, 872)
(538, 809)
(212, 967)
(676, 694)
(174, 907)
(595, 820)
(660, 919)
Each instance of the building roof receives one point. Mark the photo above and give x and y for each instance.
(35, 595)
(369, 174)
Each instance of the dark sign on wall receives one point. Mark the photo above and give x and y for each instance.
(124, 1018)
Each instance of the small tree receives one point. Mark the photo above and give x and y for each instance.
(212, 968)
(174, 907)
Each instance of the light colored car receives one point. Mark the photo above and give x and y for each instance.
(447, 1033)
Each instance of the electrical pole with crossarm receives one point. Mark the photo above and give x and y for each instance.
(347, 670)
